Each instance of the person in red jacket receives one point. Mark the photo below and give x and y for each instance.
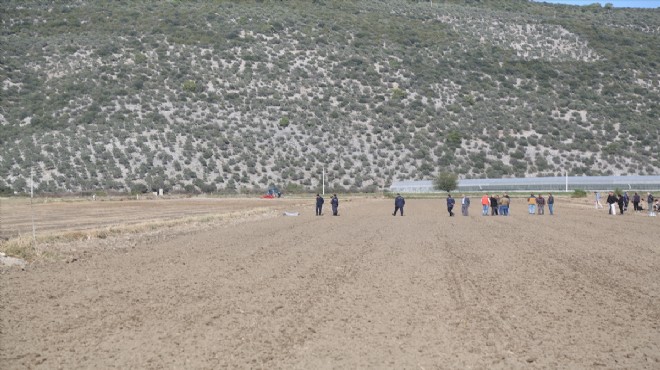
(485, 203)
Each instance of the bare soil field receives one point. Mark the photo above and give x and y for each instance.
(580, 289)
(56, 215)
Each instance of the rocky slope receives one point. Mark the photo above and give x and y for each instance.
(234, 96)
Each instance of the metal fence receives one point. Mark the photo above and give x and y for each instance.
(567, 183)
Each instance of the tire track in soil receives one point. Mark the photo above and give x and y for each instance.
(390, 311)
(603, 279)
(474, 308)
(297, 300)
(608, 277)
(300, 325)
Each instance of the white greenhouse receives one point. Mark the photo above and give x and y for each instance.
(568, 183)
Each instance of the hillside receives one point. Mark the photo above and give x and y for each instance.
(233, 96)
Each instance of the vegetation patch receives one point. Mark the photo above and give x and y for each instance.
(220, 96)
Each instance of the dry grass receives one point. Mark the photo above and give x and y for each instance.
(27, 248)
(21, 247)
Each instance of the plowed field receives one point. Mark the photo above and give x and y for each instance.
(580, 289)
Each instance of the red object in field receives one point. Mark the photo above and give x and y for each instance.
(268, 196)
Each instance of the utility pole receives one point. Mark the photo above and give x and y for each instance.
(323, 181)
(34, 230)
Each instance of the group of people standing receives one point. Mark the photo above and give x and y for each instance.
(334, 202)
(623, 200)
(498, 206)
(537, 204)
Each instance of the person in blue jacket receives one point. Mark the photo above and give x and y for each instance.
(399, 202)
(319, 205)
(334, 202)
(450, 205)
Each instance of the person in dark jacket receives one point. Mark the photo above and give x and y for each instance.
(611, 201)
(620, 201)
(540, 204)
(493, 206)
(636, 199)
(551, 204)
(399, 202)
(319, 205)
(334, 202)
(450, 205)
(626, 201)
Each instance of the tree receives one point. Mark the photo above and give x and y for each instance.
(5, 189)
(190, 85)
(446, 181)
(139, 188)
(453, 139)
(19, 185)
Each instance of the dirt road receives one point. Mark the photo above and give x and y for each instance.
(364, 290)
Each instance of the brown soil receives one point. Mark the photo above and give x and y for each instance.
(56, 215)
(364, 290)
